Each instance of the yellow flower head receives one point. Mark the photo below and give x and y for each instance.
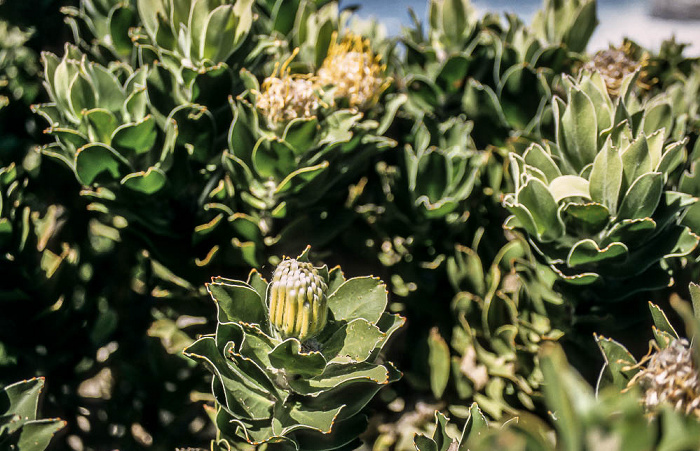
(354, 70)
(287, 96)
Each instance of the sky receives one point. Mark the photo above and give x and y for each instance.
(618, 19)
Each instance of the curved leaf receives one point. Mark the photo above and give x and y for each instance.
(642, 197)
(148, 182)
(237, 302)
(359, 297)
(95, 159)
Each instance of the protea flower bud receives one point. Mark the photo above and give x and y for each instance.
(671, 377)
(297, 300)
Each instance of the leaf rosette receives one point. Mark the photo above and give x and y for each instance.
(283, 142)
(271, 387)
(598, 203)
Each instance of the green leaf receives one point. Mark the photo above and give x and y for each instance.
(481, 105)
(452, 75)
(36, 435)
(671, 158)
(337, 376)
(62, 79)
(255, 344)
(695, 297)
(475, 426)
(521, 217)
(258, 282)
(631, 230)
(195, 130)
(522, 95)
(422, 92)
(284, 14)
(110, 94)
(354, 392)
(443, 441)
(655, 143)
(226, 28)
(353, 342)
(606, 177)
(237, 302)
(101, 125)
(149, 11)
(642, 197)
(388, 324)
(335, 279)
(561, 388)
(148, 182)
(580, 129)
(50, 63)
(289, 357)
(137, 137)
(136, 105)
(301, 133)
(587, 252)
(240, 395)
(69, 138)
(465, 266)
(342, 436)
(569, 186)
(439, 362)
(22, 398)
(582, 27)
(661, 322)
(301, 177)
(589, 218)
(273, 158)
(292, 416)
(657, 117)
(585, 278)
(619, 364)
(535, 196)
(636, 160)
(121, 19)
(454, 19)
(82, 95)
(595, 88)
(96, 159)
(173, 339)
(423, 443)
(339, 125)
(359, 297)
(248, 228)
(537, 157)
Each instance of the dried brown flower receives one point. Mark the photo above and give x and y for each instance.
(671, 377)
(613, 64)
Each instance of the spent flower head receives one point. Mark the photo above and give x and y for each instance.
(287, 96)
(614, 64)
(354, 70)
(671, 377)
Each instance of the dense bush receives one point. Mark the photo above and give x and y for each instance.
(516, 194)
